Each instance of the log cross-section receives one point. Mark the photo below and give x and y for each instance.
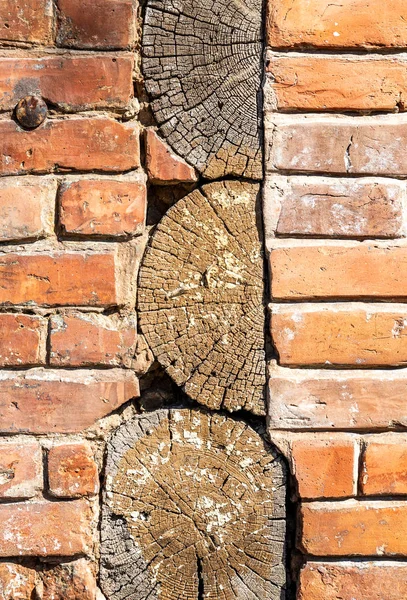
(202, 62)
(194, 509)
(201, 296)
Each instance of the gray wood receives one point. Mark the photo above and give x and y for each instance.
(201, 297)
(202, 62)
(194, 509)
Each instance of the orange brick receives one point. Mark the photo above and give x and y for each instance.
(71, 144)
(318, 399)
(364, 580)
(71, 581)
(384, 470)
(43, 401)
(26, 21)
(95, 23)
(27, 207)
(333, 207)
(17, 582)
(163, 165)
(45, 529)
(356, 23)
(324, 468)
(319, 83)
(354, 528)
(340, 334)
(60, 80)
(72, 471)
(20, 470)
(58, 278)
(22, 340)
(103, 207)
(88, 339)
(336, 144)
(335, 271)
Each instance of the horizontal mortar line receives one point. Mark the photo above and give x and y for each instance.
(336, 50)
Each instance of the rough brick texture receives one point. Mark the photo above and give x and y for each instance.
(45, 529)
(354, 528)
(367, 580)
(71, 581)
(61, 81)
(22, 340)
(163, 166)
(384, 466)
(17, 582)
(20, 470)
(72, 471)
(29, 21)
(103, 207)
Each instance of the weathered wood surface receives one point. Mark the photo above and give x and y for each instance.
(194, 509)
(201, 296)
(202, 62)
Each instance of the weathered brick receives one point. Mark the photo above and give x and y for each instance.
(45, 529)
(351, 581)
(60, 80)
(17, 582)
(356, 23)
(348, 334)
(70, 144)
(82, 339)
(384, 465)
(22, 340)
(354, 528)
(103, 207)
(72, 471)
(95, 23)
(339, 271)
(324, 467)
(27, 207)
(163, 165)
(70, 581)
(337, 144)
(331, 207)
(58, 278)
(343, 83)
(43, 401)
(26, 21)
(312, 399)
(20, 470)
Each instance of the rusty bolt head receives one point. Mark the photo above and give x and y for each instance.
(31, 111)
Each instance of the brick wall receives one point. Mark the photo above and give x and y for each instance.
(334, 201)
(79, 196)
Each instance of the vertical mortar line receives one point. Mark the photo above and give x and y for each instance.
(360, 467)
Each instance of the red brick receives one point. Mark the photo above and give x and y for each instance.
(103, 207)
(22, 340)
(43, 401)
(20, 470)
(324, 468)
(337, 144)
(82, 144)
(163, 165)
(356, 23)
(26, 21)
(319, 83)
(336, 271)
(330, 207)
(95, 23)
(384, 467)
(27, 207)
(88, 339)
(354, 528)
(45, 529)
(72, 471)
(17, 582)
(57, 278)
(340, 334)
(351, 581)
(312, 399)
(60, 80)
(70, 581)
